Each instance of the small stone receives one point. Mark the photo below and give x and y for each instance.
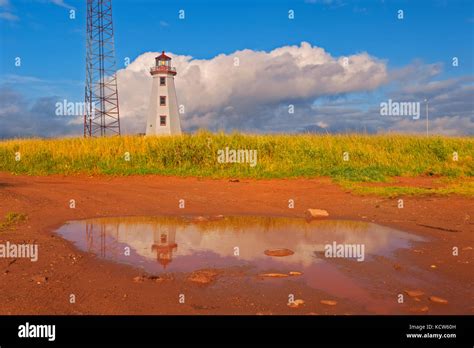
(203, 276)
(437, 299)
(419, 309)
(397, 267)
(154, 278)
(414, 293)
(433, 266)
(294, 273)
(38, 279)
(295, 303)
(316, 213)
(234, 180)
(328, 302)
(279, 252)
(200, 219)
(273, 275)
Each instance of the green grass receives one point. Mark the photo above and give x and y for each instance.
(372, 158)
(461, 187)
(11, 219)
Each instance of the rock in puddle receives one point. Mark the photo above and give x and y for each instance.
(437, 299)
(273, 275)
(328, 302)
(142, 278)
(296, 303)
(204, 276)
(414, 293)
(279, 252)
(295, 273)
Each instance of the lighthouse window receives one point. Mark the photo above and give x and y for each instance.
(162, 81)
(162, 120)
(162, 101)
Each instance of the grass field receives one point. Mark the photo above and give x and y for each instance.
(371, 158)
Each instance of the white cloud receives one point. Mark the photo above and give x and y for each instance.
(446, 125)
(215, 91)
(9, 16)
(61, 3)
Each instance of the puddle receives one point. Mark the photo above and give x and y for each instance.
(178, 244)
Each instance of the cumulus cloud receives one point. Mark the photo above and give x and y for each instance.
(243, 90)
(251, 91)
(451, 104)
(9, 16)
(21, 118)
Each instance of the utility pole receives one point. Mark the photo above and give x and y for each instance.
(427, 119)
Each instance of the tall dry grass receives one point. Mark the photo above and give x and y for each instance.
(371, 157)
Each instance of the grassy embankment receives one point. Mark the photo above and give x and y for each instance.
(370, 158)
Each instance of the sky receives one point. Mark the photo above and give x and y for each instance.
(283, 62)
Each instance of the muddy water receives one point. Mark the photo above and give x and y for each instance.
(178, 244)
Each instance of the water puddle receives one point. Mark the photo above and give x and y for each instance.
(178, 244)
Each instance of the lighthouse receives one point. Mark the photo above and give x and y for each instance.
(163, 116)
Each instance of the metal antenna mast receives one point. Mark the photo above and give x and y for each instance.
(101, 116)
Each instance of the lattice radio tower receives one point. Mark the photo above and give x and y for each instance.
(101, 117)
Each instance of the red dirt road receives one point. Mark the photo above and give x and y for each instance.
(102, 287)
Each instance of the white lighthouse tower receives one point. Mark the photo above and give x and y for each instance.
(163, 116)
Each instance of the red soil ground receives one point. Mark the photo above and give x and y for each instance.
(103, 287)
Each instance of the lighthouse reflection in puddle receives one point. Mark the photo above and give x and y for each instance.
(151, 243)
(164, 244)
(133, 242)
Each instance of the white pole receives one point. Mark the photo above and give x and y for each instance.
(427, 120)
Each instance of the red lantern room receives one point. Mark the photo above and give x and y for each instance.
(163, 65)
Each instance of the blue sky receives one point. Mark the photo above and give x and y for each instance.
(52, 46)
